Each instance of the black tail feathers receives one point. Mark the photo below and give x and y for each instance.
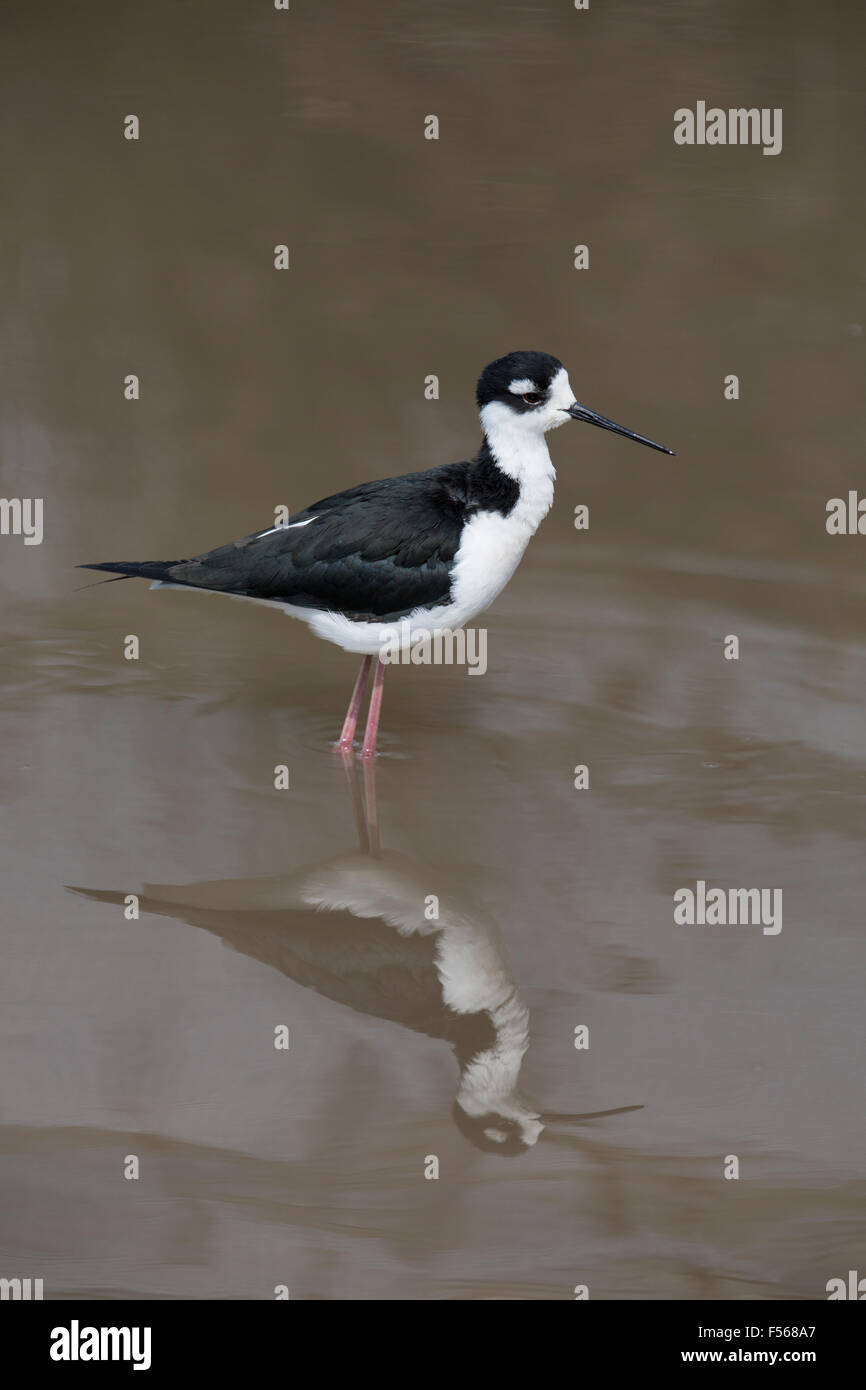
(134, 569)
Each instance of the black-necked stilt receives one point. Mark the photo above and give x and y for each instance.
(427, 551)
(355, 929)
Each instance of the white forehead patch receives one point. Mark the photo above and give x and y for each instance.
(520, 388)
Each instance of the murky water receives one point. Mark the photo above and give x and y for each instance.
(272, 909)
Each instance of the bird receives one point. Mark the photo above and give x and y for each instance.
(392, 560)
(356, 929)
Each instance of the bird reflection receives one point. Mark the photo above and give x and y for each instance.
(372, 929)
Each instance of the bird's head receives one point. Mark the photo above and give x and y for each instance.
(528, 393)
(508, 1127)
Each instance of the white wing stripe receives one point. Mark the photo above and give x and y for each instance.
(290, 527)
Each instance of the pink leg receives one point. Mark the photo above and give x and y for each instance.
(369, 748)
(348, 734)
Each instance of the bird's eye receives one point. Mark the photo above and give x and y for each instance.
(532, 397)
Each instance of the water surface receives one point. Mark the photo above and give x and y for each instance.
(155, 1037)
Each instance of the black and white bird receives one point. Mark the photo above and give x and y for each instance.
(408, 556)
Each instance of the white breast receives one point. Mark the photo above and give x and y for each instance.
(492, 545)
(490, 551)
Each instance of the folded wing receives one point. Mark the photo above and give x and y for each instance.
(379, 550)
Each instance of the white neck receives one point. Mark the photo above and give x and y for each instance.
(490, 1079)
(521, 452)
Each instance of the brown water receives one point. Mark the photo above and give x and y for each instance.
(410, 257)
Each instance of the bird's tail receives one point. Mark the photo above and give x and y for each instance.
(134, 569)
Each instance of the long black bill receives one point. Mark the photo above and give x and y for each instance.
(581, 412)
(552, 1117)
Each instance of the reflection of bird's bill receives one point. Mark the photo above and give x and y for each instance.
(553, 1117)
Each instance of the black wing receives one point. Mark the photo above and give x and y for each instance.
(376, 551)
(362, 963)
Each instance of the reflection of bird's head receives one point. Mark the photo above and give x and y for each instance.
(497, 1132)
(511, 1127)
